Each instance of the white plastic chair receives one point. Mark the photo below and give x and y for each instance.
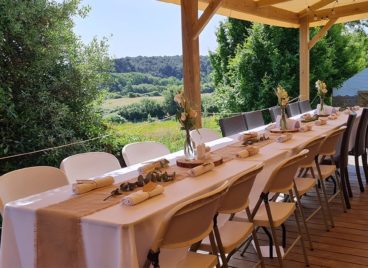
(29, 181)
(203, 135)
(138, 152)
(88, 165)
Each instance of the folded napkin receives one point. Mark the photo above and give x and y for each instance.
(290, 123)
(152, 166)
(84, 186)
(248, 136)
(284, 137)
(249, 151)
(332, 117)
(305, 128)
(321, 122)
(140, 196)
(199, 170)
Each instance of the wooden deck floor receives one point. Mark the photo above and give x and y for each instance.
(346, 245)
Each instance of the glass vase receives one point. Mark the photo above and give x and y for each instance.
(321, 109)
(189, 152)
(283, 123)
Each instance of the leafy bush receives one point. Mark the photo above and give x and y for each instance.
(50, 83)
(141, 110)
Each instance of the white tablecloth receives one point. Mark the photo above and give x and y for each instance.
(120, 236)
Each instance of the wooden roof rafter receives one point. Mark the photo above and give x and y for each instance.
(263, 3)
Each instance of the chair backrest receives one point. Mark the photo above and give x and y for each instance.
(203, 135)
(274, 112)
(232, 125)
(88, 165)
(293, 109)
(313, 147)
(236, 198)
(361, 134)
(282, 177)
(190, 221)
(138, 152)
(29, 181)
(328, 146)
(343, 145)
(304, 106)
(254, 119)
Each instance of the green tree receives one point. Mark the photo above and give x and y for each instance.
(50, 82)
(269, 56)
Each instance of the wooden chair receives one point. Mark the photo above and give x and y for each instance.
(231, 235)
(29, 181)
(183, 226)
(304, 106)
(292, 109)
(139, 152)
(273, 214)
(203, 135)
(232, 125)
(274, 112)
(88, 165)
(254, 119)
(359, 148)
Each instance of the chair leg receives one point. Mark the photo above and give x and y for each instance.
(338, 182)
(303, 217)
(347, 180)
(357, 169)
(274, 236)
(326, 202)
(322, 208)
(322, 183)
(220, 246)
(214, 248)
(300, 234)
(365, 166)
(344, 189)
(258, 249)
(270, 240)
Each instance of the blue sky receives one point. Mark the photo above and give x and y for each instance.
(140, 27)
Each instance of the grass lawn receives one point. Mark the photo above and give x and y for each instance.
(166, 132)
(115, 103)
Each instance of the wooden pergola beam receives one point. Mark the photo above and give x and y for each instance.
(321, 33)
(206, 17)
(304, 71)
(250, 7)
(264, 3)
(340, 11)
(315, 6)
(191, 64)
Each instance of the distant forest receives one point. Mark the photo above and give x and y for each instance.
(151, 76)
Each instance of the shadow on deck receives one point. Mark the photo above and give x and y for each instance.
(346, 245)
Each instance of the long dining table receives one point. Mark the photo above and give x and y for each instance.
(119, 235)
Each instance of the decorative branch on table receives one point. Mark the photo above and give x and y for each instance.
(321, 93)
(283, 100)
(154, 176)
(187, 119)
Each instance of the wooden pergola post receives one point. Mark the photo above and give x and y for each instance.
(191, 64)
(304, 58)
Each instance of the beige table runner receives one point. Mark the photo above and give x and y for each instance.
(58, 236)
